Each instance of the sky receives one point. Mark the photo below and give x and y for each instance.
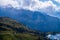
(50, 7)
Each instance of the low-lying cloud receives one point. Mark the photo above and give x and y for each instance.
(27, 4)
(33, 5)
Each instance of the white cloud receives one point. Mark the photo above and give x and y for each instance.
(33, 5)
(57, 36)
(57, 1)
(9, 3)
(36, 5)
(26, 4)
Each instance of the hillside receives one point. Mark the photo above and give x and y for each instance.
(12, 30)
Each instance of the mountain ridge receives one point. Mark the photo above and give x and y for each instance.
(34, 20)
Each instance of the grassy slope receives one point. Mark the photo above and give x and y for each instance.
(12, 30)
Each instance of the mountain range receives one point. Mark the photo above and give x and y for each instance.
(13, 30)
(34, 20)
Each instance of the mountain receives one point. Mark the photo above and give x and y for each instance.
(34, 20)
(12, 30)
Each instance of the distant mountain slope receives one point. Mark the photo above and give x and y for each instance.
(34, 20)
(39, 21)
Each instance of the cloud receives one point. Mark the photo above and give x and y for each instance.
(9, 3)
(57, 36)
(36, 5)
(33, 5)
(57, 1)
(26, 4)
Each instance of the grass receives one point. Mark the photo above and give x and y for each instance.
(7, 35)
